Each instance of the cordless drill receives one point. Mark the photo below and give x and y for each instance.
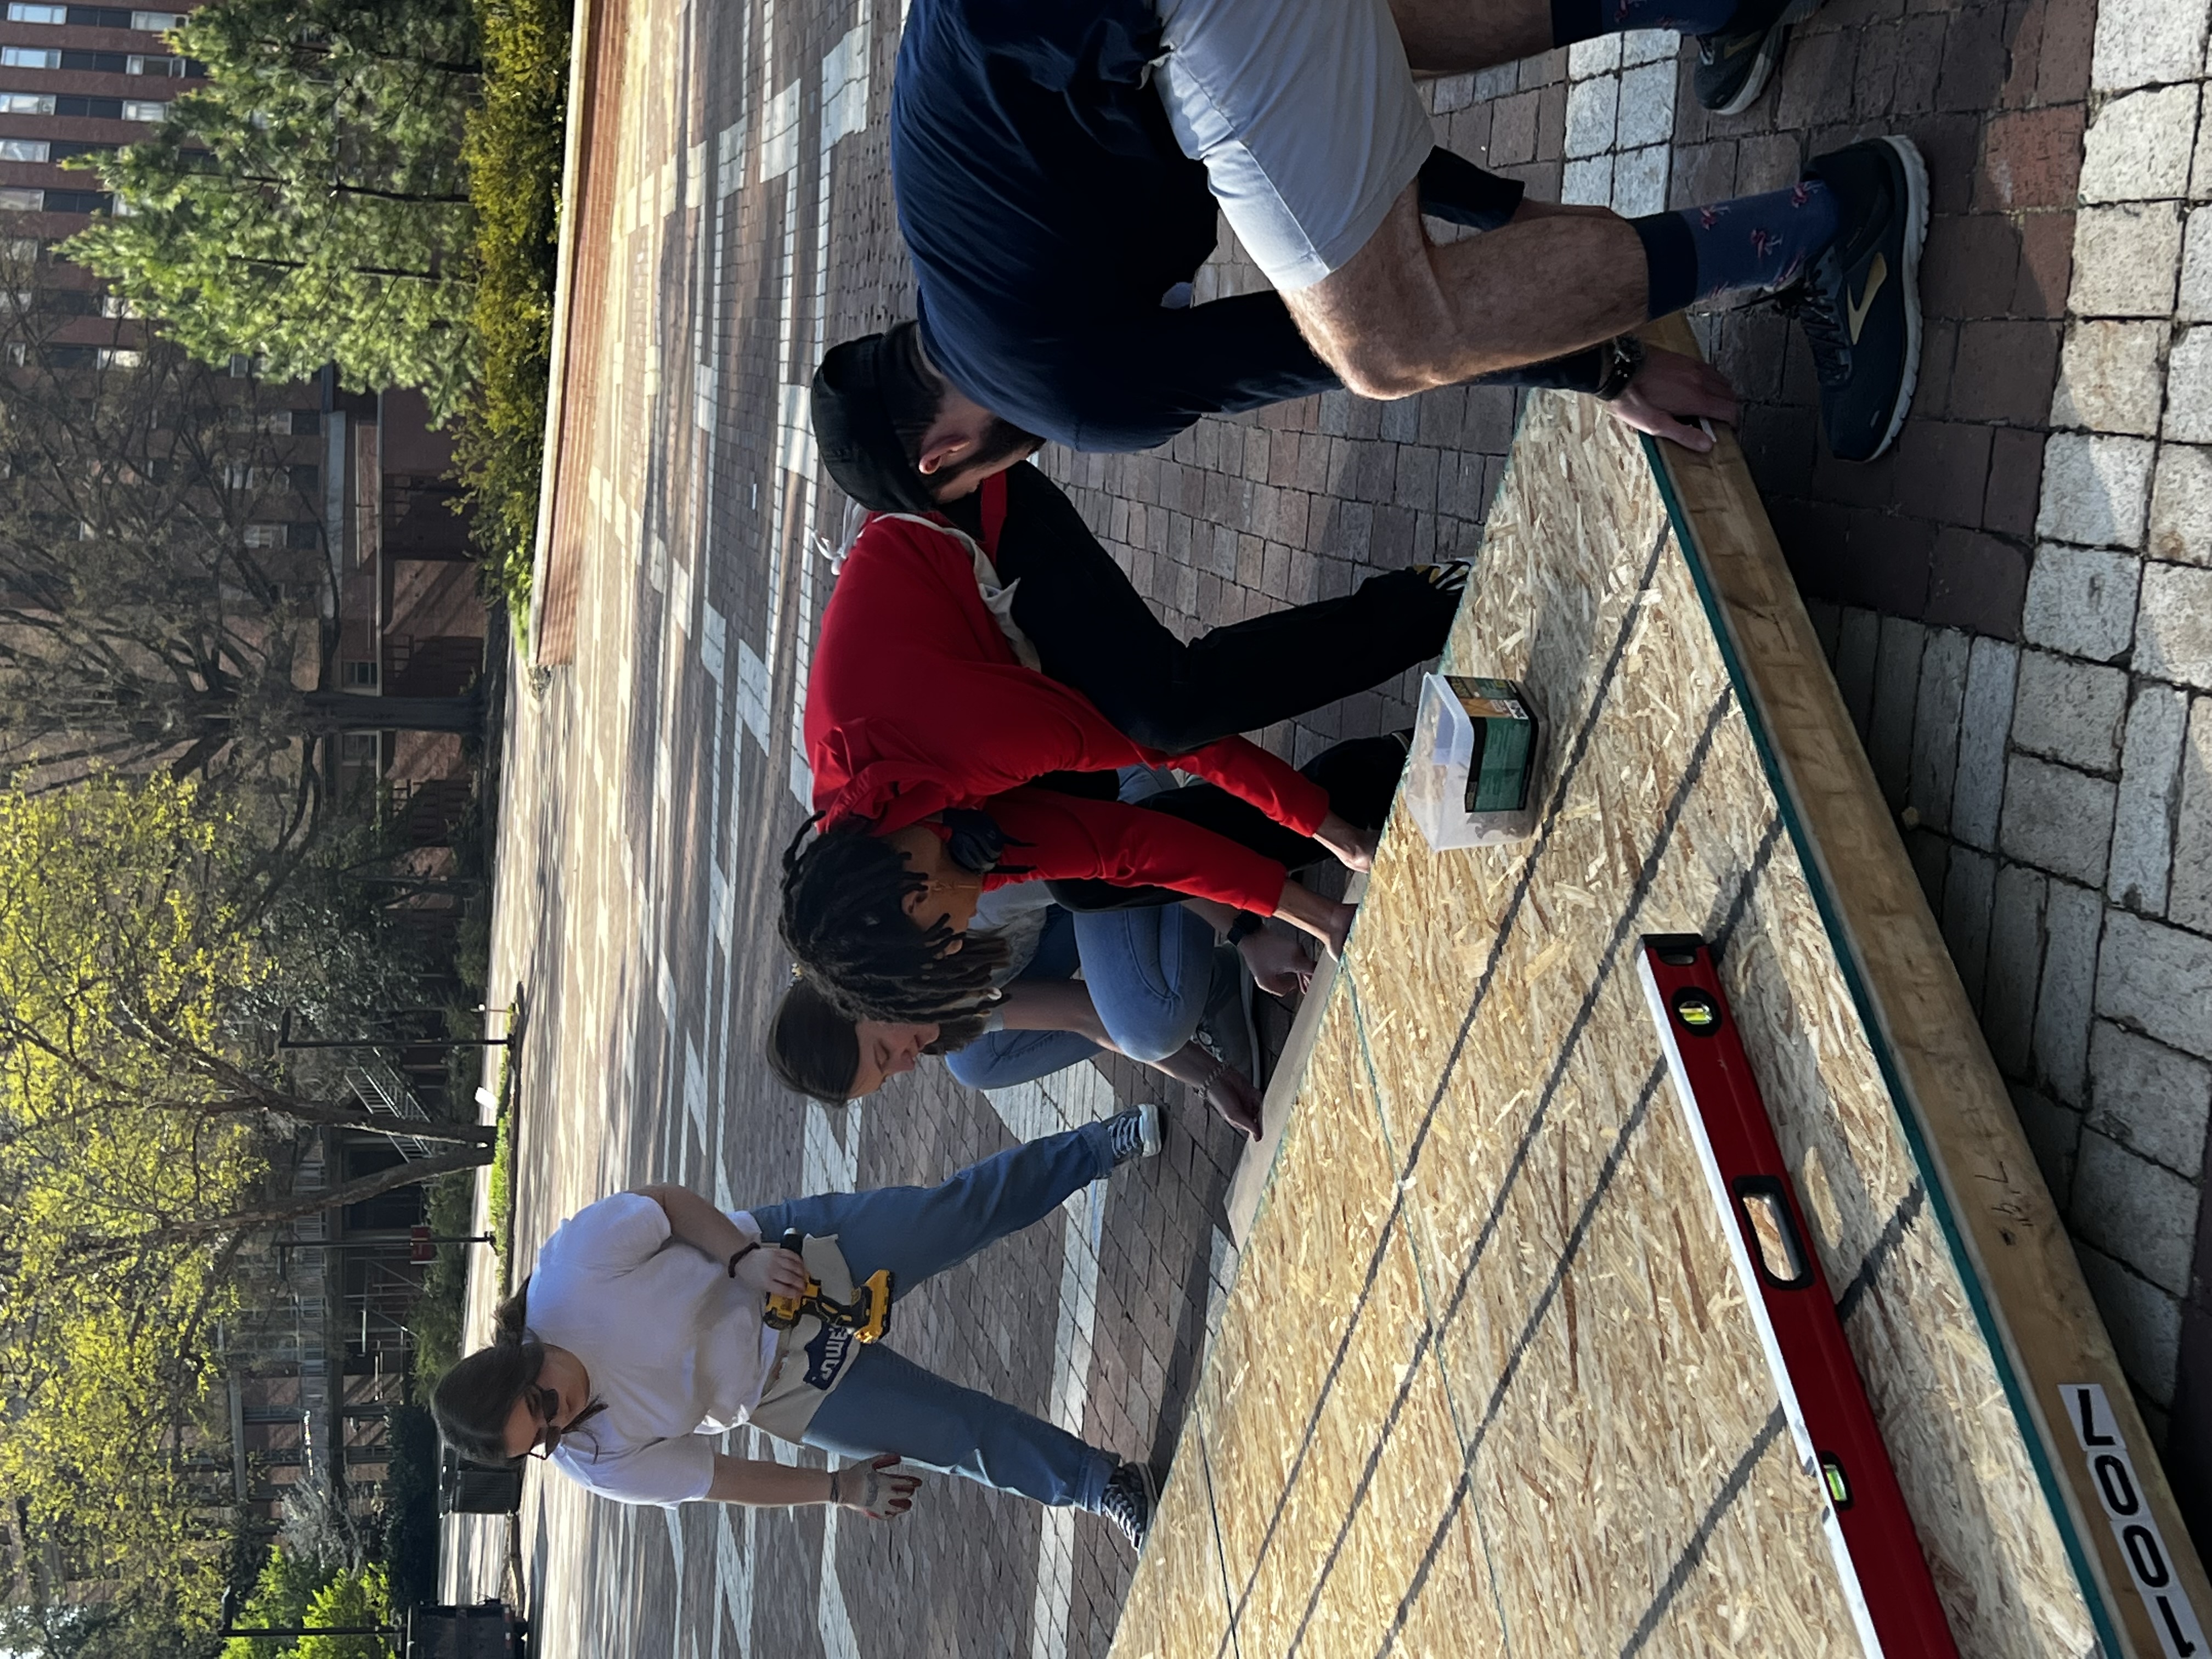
(867, 1315)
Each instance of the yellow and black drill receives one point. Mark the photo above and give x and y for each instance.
(867, 1315)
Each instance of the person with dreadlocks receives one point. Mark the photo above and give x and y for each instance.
(927, 721)
(641, 1339)
(1155, 985)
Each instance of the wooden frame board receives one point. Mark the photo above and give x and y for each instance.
(580, 275)
(1485, 1383)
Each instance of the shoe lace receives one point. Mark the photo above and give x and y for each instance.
(1123, 1501)
(1810, 304)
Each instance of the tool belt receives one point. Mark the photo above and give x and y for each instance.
(811, 1358)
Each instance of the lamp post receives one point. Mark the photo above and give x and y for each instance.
(422, 1246)
(285, 1039)
(290, 1632)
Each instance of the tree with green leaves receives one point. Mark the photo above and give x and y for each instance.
(297, 1592)
(167, 599)
(309, 205)
(144, 1143)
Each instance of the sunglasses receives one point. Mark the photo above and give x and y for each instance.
(545, 1407)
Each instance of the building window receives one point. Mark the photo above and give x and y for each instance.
(114, 305)
(77, 201)
(145, 109)
(265, 536)
(360, 747)
(25, 150)
(120, 357)
(27, 103)
(241, 366)
(306, 423)
(361, 673)
(30, 57)
(303, 535)
(306, 479)
(148, 64)
(15, 200)
(96, 17)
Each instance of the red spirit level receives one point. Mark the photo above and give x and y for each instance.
(1884, 1577)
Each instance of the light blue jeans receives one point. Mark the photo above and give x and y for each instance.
(1148, 971)
(887, 1403)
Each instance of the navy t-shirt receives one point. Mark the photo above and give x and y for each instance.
(1048, 211)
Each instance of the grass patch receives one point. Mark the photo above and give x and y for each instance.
(513, 149)
(436, 1319)
(499, 1197)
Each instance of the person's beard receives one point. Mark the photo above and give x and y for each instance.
(1002, 442)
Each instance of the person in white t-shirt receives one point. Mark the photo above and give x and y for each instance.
(640, 1338)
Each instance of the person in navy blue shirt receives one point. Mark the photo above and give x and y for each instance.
(1060, 170)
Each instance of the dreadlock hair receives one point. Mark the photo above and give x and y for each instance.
(913, 393)
(845, 924)
(814, 1045)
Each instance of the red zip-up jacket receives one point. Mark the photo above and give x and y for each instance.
(917, 702)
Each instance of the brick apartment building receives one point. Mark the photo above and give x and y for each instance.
(317, 1362)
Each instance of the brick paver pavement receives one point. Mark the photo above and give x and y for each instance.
(651, 787)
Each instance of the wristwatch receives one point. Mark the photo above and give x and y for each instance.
(1623, 354)
(1245, 926)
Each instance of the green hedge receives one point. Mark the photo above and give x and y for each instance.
(513, 149)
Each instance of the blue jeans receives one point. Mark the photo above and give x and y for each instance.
(1148, 971)
(887, 1403)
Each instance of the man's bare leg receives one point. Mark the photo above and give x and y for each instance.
(1452, 37)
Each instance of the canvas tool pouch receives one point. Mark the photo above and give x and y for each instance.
(811, 1358)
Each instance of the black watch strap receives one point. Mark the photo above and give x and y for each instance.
(1245, 926)
(1624, 355)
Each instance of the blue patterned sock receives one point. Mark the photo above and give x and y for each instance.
(1752, 242)
(1584, 20)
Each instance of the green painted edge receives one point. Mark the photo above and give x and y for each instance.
(1923, 1157)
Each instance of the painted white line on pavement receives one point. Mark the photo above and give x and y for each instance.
(1064, 1101)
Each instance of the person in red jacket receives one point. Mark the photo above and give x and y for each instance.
(926, 721)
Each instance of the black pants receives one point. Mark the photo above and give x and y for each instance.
(1360, 774)
(1094, 632)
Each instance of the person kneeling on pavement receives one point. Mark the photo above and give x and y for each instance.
(1157, 983)
(644, 1335)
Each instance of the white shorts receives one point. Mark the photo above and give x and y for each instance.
(1305, 116)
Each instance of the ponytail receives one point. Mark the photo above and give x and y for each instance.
(473, 1401)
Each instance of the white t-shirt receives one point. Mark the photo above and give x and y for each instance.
(673, 1345)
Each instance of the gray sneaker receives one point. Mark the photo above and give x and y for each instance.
(1136, 1132)
(1132, 1492)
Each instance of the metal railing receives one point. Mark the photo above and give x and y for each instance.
(385, 1093)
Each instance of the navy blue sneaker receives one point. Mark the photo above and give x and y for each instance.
(1734, 64)
(1859, 302)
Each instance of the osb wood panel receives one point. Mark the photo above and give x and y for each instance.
(2049, 1325)
(1485, 1383)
